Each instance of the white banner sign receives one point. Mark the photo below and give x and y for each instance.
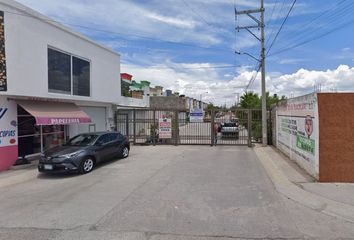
(196, 115)
(165, 128)
(297, 131)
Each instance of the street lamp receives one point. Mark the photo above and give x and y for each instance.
(239, 53)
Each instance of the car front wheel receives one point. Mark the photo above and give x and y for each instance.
(125, 152)
(87, 165)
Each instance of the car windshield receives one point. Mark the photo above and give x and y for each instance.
(82, 140)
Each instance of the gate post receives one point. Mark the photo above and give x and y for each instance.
(212, 128)
(154, 128)
(249, 128)
(134, 127)
(176, 121)
(116, 120)
(127, 124)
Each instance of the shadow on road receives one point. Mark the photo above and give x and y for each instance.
(61, 175)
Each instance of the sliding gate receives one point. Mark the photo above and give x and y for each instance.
(158, 127)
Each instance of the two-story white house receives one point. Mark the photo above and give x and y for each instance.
(54, 83)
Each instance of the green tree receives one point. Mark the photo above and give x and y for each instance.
(250, 100)
(271, 100)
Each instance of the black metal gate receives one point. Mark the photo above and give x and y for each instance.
(219, 127)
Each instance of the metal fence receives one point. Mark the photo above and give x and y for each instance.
(157, 127)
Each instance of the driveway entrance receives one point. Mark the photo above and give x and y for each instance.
(171, 127)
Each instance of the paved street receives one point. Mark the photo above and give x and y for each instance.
(163, 192)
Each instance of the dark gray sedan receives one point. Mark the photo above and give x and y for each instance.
(82, 152)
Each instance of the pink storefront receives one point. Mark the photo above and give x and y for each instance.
(27, 127)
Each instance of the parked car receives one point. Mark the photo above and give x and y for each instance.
(230, 129)
(83, 152)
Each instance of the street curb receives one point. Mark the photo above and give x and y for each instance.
(284, 186)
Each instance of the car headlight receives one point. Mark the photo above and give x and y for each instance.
(71, 155)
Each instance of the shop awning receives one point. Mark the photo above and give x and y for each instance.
(54, 113)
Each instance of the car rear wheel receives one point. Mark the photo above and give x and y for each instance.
(125, 152)
(87, 165)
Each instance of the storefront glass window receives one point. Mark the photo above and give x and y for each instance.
(29, 134)
(53, 136)
(29, 138)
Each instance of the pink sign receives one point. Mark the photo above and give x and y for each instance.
(60, 121)
(8, 134)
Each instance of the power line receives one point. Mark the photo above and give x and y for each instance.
(281, 27)
(333, 19)
(214, 26)
(323, 13)
(273, 29)
(254, 76)
(313, 38)
(271, 15)
(196, 13)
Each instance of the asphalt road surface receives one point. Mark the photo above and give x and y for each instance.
(162, 192)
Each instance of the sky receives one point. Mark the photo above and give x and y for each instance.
(189, 46)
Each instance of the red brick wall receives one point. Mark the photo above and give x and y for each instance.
(336, 132)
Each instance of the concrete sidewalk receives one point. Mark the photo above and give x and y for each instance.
(19, 174)
(334, 199)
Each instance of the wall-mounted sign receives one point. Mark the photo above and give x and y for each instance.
(165, 128)
(297, 131)
(8, 133)
(3, 77)
(196, 115)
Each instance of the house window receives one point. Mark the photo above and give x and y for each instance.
(81, 77)
(59, 72)
(68, 74)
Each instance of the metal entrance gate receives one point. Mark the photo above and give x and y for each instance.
(154, 127)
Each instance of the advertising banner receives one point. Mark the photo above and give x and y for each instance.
(196, 115)
(8, 133)
(165, 128)
(3, 77)
(297, 131)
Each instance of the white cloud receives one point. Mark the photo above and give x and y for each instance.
(155, 20)
(193, 82)
(172, 21)
(303, 81)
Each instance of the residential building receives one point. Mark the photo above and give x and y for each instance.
(156, 91)
(126, 81)
(54, 83)
(168, 93)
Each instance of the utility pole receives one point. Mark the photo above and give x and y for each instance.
(259, 25)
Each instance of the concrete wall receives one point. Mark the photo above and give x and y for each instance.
(27, 39)
(135, 102)
(273, 119)
(98, 117)
(336, 120)
(297, 132)
(171, 103)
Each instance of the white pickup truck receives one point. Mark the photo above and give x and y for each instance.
(230, 129)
